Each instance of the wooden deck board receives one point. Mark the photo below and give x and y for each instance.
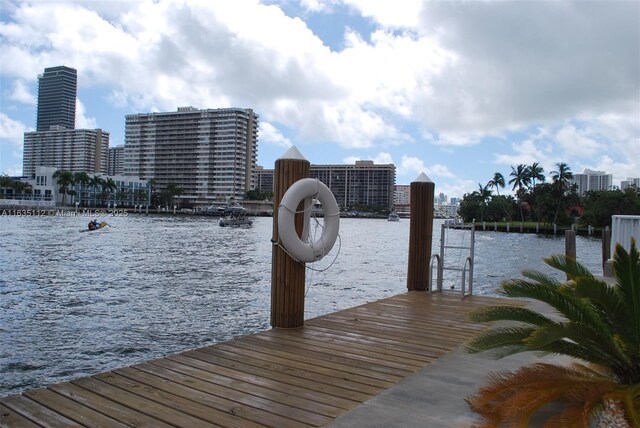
(278, 378)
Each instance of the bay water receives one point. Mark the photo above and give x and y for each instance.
(74, 304)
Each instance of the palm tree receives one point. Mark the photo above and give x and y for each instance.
(535, 172)
(497, 181)
(561, 181)
(600, 327)
(520, 180)
(64, 180)
(95, 182)
(108, 186)
(484, 195)
(83, 179)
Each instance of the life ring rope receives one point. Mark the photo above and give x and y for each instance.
(296, 248)
(279, 244)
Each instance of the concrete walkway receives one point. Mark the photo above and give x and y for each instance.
(434, 397)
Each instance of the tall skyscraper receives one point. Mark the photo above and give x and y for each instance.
(210, 154)
(57, 143)
(57, 88)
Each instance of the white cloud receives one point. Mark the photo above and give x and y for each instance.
(577, 142)
(12, 130)
(20, 92)
(82, 121)
(380, 159)
(271, 135)
(388, 13)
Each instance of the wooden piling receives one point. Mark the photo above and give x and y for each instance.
(287, 275)
(421, 193)
(570, 245)
(606, 252)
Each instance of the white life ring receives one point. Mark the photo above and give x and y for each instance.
(301, 190)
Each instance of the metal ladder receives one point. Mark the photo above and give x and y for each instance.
(440, 259)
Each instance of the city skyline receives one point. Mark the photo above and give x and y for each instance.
(456, 90)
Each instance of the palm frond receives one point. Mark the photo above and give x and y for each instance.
(600, 348)
(626, 267)
(509, 313)
(568, 265)
(562, 299)
(513, 397)
(506, 337)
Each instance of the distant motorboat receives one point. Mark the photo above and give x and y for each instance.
(393, 217)
(236, 220)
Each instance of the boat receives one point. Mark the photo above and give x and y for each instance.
(97, 226)
(236, 219)
(393, 217)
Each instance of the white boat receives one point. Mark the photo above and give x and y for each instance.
(393, 217)
(236, 220)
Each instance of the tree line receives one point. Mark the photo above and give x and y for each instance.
(554, 201)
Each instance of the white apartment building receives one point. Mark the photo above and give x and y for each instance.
(630, 182)
(210, 154)
(115, 165)
(74, 150)
(592, 180)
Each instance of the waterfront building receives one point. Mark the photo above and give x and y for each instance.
(57, 88)
(361, 184)
(115, 164)
(401, 194)
(630, 182)
(209, 154)
(72, 150)
(264, 180)
(592, 180)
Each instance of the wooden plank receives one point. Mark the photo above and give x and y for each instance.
(322, 344)
(201, 392)
(343, 366)
(36, 413)
(246, 399)
(11, 418)
(283, 375)
(307, 364)
(171, 402)
(70, 409)
(124, 414)
(336, 386)
(306, 393)
(313, 412)
(138, 403)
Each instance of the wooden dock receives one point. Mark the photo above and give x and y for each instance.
(279, 378)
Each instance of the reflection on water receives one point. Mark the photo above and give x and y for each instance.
(73, 304)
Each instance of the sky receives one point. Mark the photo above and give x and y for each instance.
(458, 90)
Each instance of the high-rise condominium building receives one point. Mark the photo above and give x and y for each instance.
(592, 180)
(363, 183)
(630, 182)
(74, 150)
(116, 160)
(209, 154)
(360, 184)
(57, 88)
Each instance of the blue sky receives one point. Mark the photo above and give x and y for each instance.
(458, 90)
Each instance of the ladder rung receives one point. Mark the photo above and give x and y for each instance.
(450, 268)
(457, 247)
